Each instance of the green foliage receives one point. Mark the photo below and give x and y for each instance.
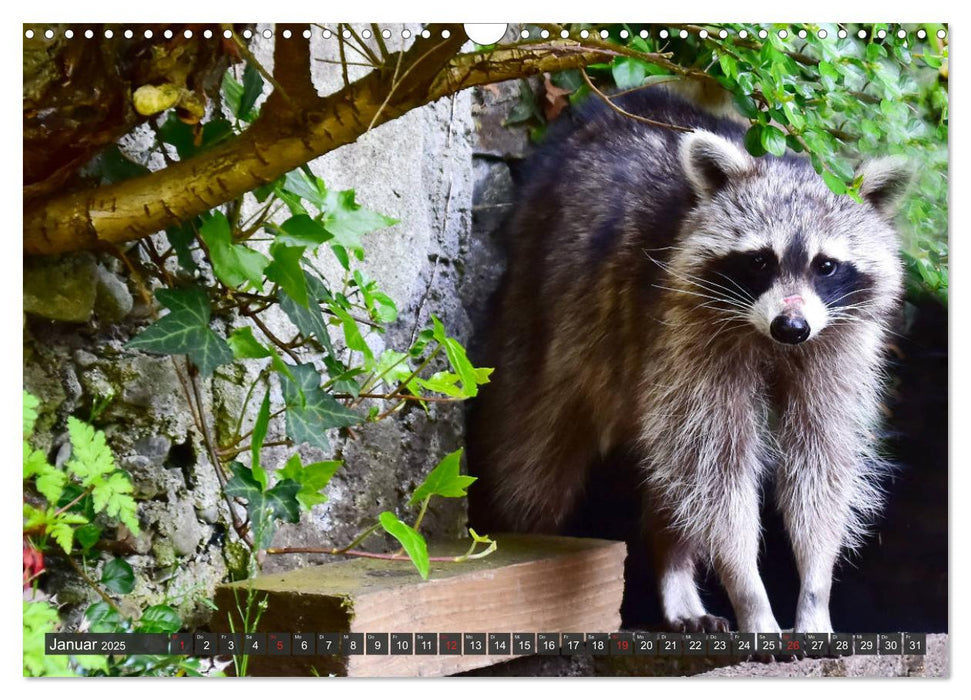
(232, 270)
(65, 511)
(444, 480)
(69, 497)
(39, 619)
(412, 542)
(840, 101)
(185, 330)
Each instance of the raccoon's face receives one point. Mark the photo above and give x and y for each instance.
(768, 245)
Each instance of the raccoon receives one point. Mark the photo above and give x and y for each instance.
(723, 316)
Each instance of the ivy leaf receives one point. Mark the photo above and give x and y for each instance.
(285, 270)
(412, 541)
(159, 619)
(118, 576)
(245, 346)
(303, 231)
(181, 238)
(308, 319)
(306, 186)
(347, 221)
(185, 330)
(265, 507)
(457, 359)
(308, 420)
(352, 334)
(259, 435)
(252, 89)
(189, 140)
(444, 480)
(233, 264)
(312, 479)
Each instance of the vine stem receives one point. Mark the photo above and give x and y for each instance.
(81, 495)
(404, 384)
(97, 589)
(238, 524)
(349, 553)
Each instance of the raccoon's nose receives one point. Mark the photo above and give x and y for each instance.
(789, 329)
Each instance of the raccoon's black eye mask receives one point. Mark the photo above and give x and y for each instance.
(743, 276)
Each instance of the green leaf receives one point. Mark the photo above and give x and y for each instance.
(308, 420)
(102, 618)
(352, 334)
(245, 346)
(187, 141)
(306, 186)
(303, 231)
(285, 270)
(628, 72)
(181, 238)
(414, 544)
(91, 459)
(728, 65)
(118, 576)
(185, 330)
(773, 140)
(232, 91)
(347, 221)
(113, 498)
(51, 481)
(457, 359)
(312, 479)
(88, 535)
(114, 166)
(61, 528)
(753, 140)
(308, 319)
(233, 264)
(259, 435)
(265, 507)
(39, 618)
(834, 182)
(444, 480)
(31, 403)
(252, 89)
(159, 619)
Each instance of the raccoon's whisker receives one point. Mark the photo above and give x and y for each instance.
(744, 292)
(703, 296)
(707, 285)
(849, 293)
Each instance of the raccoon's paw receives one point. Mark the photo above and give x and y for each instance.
(701, 623)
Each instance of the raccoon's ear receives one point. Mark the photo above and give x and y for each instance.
(710, 161)
(885, 182)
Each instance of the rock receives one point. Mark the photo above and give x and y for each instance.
(62, 288)
(113, 301)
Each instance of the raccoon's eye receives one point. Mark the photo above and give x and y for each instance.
(825, 266)
(759, 262)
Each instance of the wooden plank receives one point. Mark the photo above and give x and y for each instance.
(531, 584)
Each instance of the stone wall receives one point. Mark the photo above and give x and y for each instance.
(81, 310)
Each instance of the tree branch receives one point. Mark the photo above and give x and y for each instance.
(432, 68)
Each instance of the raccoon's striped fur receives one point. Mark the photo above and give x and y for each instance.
(724, 316)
